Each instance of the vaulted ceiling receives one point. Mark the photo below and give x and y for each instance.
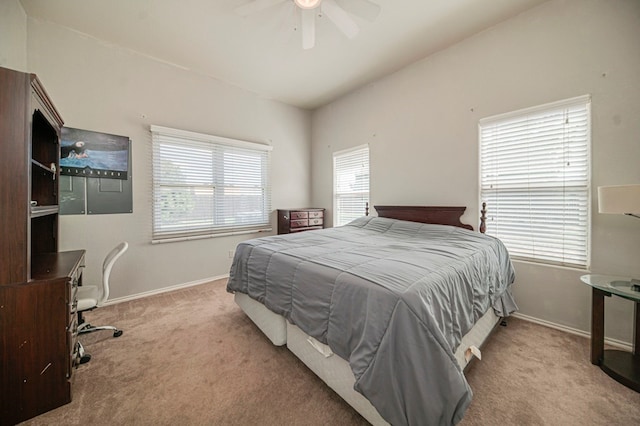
(263, 53)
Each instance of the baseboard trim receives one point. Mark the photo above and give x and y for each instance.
(163, 290)
(612, 342)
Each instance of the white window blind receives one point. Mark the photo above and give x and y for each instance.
(206, 185)
(350, 184)
(535, 179)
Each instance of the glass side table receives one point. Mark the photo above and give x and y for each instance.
(621, 365)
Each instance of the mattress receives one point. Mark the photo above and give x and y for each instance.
(272, 325)
(332, 369)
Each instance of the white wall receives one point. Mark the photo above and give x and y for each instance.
(13, 35)
(101, 87)
(421, 126)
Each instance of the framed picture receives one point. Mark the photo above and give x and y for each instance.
(93, 154)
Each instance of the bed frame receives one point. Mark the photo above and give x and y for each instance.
(335, 371)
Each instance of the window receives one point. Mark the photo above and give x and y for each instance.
(207, 185)
(535, 179)
(350, 184)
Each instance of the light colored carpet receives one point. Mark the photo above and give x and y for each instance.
(534, 375)
(191, 357)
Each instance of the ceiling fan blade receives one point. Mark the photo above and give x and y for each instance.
(308, 19)
(365, 9)
(340, 18)
(256, 6)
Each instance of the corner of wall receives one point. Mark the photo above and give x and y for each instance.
(13, 35)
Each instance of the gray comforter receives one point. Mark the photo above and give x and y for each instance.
(393, 298)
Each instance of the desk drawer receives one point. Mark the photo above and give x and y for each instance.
(72, 341)
(74, 281)
(73, 300)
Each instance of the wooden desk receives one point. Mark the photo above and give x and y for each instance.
(39, 336)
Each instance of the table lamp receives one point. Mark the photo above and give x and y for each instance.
(621, 199)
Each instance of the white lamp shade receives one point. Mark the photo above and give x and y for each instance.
(619, 199)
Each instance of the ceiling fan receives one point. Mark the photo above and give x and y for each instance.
(339, 14)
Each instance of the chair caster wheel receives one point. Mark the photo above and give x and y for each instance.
(117, 333)
(85, 358)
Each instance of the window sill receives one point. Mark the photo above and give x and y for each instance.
(550, 265)
(201, 237)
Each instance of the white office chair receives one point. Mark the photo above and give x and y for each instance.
(91, 297)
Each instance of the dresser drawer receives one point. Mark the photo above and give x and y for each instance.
(300, 223)
(313, 215)
(315, 222)
(298, 215)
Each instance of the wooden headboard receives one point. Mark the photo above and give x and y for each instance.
(430, 214)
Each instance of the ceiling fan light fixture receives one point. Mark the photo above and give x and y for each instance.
(307, 4)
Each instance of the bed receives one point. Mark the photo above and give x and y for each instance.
(387, 310)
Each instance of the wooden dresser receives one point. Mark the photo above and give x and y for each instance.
(38, 319)
(297, 220)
